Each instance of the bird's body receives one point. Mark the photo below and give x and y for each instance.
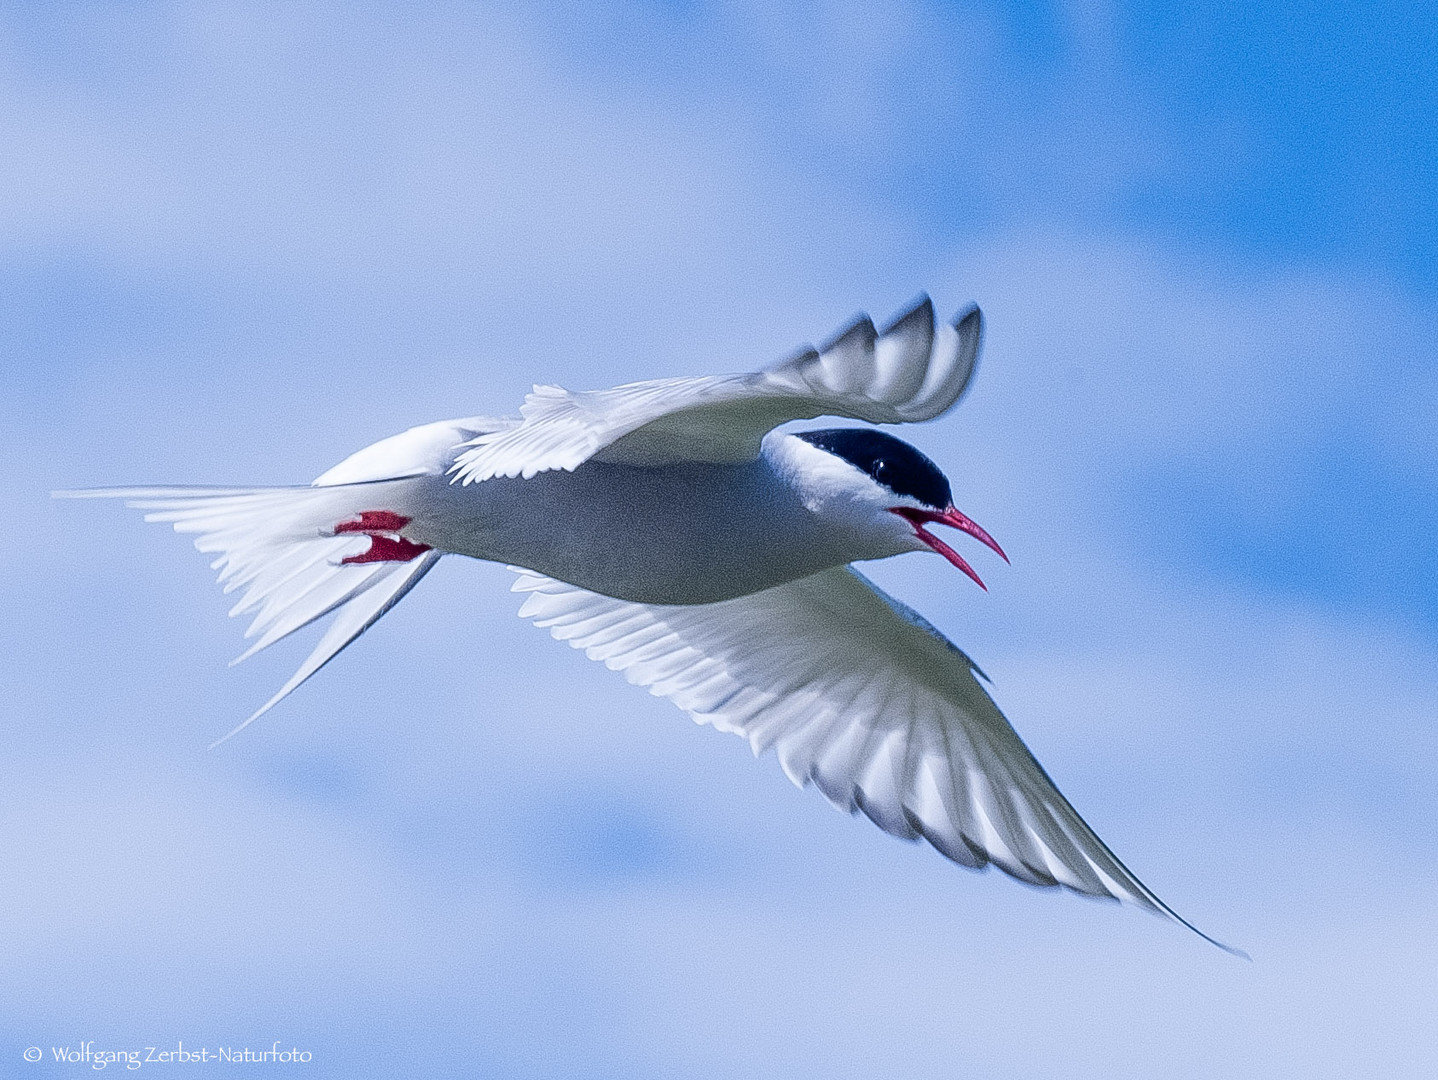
(656, 536)
(668, 530)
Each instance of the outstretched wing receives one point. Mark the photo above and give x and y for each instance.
(861, 696)
(911, 371)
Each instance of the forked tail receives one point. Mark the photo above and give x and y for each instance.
(299, 554)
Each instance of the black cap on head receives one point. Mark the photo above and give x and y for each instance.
(889, 461)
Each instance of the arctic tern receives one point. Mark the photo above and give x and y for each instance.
(667, 529)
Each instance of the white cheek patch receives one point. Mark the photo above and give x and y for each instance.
(821, 476)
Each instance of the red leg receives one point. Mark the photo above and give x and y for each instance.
(373, 521)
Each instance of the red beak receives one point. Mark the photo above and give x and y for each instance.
(951, 517)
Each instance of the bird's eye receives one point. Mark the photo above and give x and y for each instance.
(880, 468)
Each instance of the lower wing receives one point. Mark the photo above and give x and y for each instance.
(862, 697)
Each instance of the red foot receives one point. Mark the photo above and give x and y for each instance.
(382, 528)
(372, 521)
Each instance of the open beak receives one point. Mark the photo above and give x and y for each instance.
(951, 517)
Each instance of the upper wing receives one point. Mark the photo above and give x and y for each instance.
(911, 371)
(860, 695)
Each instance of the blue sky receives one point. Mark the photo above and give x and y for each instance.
(238, 241)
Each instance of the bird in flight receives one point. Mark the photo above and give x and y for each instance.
(667, 529)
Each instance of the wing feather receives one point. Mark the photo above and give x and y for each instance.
(863, 698)
(909, 372)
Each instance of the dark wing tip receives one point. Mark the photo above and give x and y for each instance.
(858, 332)
(921, 310)
(969, 322)
(970, 326)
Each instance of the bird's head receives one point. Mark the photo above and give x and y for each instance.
(882, 490)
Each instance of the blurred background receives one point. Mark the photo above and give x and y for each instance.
(239, 241)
